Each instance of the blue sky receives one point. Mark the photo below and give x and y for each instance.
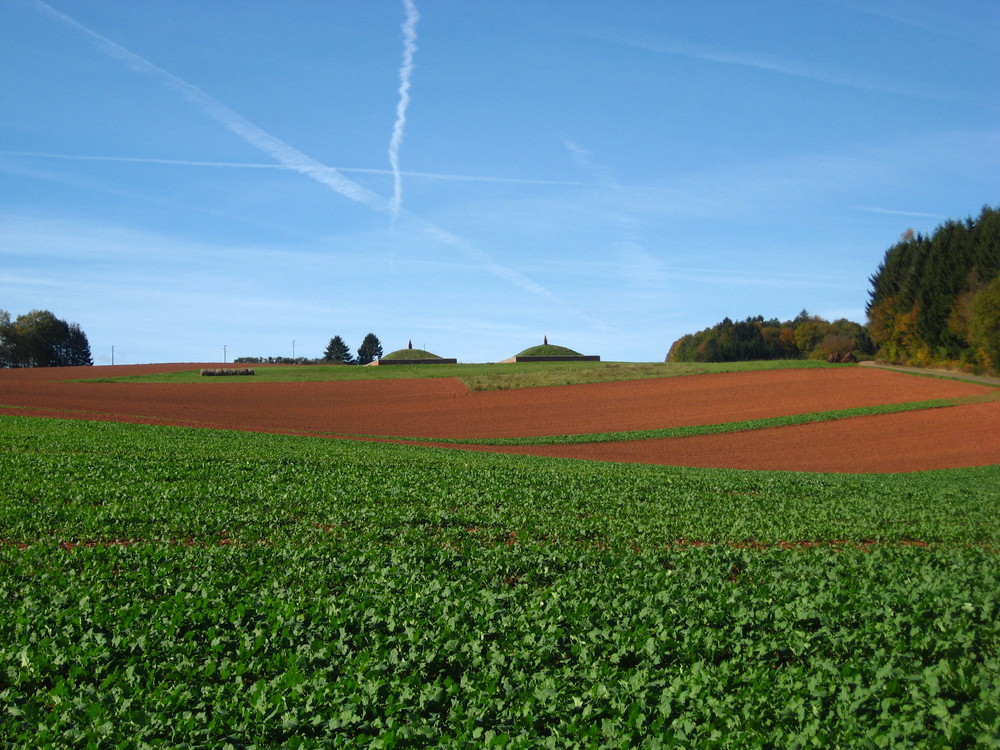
(185, 178)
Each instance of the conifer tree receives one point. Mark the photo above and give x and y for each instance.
(338, 351)
(370, 349)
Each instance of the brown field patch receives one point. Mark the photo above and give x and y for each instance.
(966, 435)
(951, 438)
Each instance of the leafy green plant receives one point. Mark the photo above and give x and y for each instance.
(186, 587)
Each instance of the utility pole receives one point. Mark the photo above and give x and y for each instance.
(112, 354)
(224, 353)
(293, 348)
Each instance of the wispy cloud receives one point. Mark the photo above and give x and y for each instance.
(584, 159)
(398, 128)
(977, 26)
(295, 160)
(635, 263)
(513, 276)
(773, 64)
(892, 212)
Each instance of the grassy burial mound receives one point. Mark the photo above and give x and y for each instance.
(551, 353)
(411, 356)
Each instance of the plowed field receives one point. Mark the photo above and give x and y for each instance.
(436, 408)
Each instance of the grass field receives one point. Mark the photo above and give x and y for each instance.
(200, 588)
(480, 377)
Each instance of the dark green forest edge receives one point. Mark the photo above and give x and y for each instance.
(934, 302)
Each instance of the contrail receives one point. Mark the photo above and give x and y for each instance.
(358, 170)
(891, 212)
(409, 47)
(295, 160)
(233, 121)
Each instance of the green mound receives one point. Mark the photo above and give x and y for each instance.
(548, 350)
(410, 354)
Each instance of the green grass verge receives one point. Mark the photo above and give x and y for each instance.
(689, 430)
(180, 587)
(479, 377)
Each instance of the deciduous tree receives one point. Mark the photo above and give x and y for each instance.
(40, 339)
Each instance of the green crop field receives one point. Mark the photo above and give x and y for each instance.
(173, 587)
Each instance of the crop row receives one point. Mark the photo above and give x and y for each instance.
(180, 587)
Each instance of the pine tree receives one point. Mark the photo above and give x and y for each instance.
(370, 349)
(338, 351)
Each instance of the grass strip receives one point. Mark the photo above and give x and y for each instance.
(582, 438)
(477, 377)
(689, 430)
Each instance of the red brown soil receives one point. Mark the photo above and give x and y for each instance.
(966, 435)
(956, 437)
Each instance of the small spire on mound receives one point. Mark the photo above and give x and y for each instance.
(545, 340)
(409, 344)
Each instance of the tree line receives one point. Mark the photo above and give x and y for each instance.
(805, 336)
(936, 300)
(40, 339)
(337, 352)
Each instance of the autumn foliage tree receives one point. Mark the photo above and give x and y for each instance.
(756, 338)
(924, 304)
(984, 325)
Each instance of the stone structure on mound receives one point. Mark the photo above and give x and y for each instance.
(552, 353)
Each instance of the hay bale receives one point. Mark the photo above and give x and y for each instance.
(229, 371)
